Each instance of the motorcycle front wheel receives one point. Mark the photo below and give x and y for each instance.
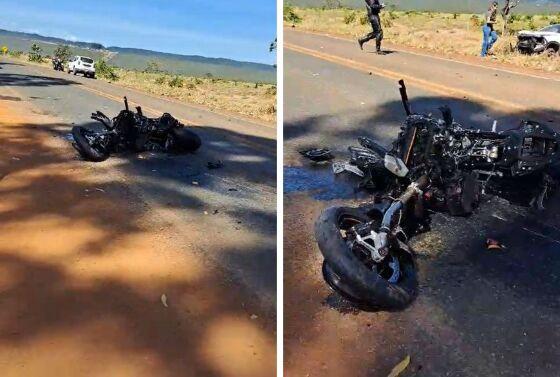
(390, 285)
(88, 150)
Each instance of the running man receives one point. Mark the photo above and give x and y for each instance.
(373, 9)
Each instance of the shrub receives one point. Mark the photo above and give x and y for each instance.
(4, 50)
(290, 15)
(364, 19)
(475, 20)
(160, 80)
(63, 53)
(532, 25)
(35, 53)
(104, 70)
(176, 82)
(386, 22)
(271, 91)
(349, 17)
(152, 67)
(15, 54)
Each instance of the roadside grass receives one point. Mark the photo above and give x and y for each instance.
(249, 99)
(444, 33)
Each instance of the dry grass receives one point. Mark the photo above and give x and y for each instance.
(256, 101)
(445, 33)
(244, 98)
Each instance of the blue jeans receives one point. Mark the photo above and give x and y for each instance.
(489, 37)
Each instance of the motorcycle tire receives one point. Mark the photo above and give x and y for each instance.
(350, 277)
(86, 150)
(186, 140)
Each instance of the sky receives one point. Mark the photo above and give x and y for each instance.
(240, 30)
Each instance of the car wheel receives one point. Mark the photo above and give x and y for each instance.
(551, 52)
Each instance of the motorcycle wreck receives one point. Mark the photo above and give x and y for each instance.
(433, 165)
(131, 130)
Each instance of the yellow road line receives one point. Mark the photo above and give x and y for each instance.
(406, 51)
(420, 83)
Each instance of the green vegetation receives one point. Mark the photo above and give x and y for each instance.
(176, 82)
(35, 54)
(104, 70)
(63, 53)
(290, 15)
(152, 67)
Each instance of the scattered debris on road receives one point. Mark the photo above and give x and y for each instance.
(400, 367)
(492, 244)
(212, 165)
(164, 300)
(317, 154)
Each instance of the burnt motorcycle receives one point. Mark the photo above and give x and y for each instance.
(131, 130)
(434, 164)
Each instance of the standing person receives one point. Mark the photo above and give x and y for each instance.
(373, 9)
(489, 35)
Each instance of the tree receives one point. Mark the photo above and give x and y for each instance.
(63, 53)
(506, 13)
(105, 70)
(4, 50)
(152, 67)
(36, 53)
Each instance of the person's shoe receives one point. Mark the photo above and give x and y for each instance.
(361, 44)
(379, 52)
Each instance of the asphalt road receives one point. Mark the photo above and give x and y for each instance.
(234, 208)
(478, 313)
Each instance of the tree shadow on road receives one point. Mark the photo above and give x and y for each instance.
(81, 282)
(14, 79)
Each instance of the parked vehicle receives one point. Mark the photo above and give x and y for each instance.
(82, 64)
(546, 40)
(133, 131)
(57, 63)
(434, 165)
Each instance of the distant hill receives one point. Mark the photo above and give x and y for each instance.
(461, 6)
(131, 58)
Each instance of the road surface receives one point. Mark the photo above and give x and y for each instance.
(478, 313)
(88, 250)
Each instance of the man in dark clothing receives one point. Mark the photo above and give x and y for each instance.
(373, 9)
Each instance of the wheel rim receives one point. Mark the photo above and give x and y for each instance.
(389, 269)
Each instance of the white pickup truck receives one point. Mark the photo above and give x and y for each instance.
(82, 64)
(546, 40)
